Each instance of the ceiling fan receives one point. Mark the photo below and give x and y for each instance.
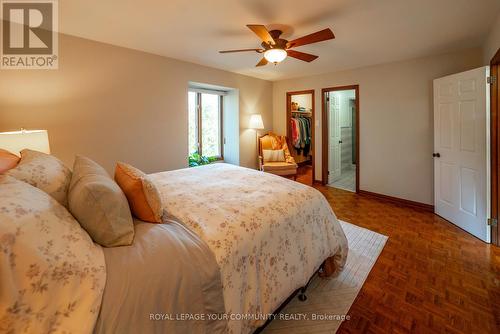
(276, 49)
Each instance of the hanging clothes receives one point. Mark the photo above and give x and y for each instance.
(301, 134)
(295, 132)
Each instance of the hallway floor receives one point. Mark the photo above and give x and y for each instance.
(346, 181)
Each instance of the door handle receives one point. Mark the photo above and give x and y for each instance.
(340, 141)
(436, 155)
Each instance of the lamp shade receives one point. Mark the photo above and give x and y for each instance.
(275, 55)
(16, 141)
(256, 122)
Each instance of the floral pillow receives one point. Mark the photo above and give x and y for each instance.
(45, 172)
(52, 275)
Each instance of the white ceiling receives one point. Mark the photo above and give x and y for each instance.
(367, 31)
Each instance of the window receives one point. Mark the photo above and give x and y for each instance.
(205, 123)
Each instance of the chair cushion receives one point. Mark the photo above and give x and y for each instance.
(273, 155)
(279, 166)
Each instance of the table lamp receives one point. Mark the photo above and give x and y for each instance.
(16, 141)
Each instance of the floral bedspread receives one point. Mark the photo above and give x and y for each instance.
(268, 234)
(52, 275)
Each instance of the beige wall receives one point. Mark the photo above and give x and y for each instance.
(396, 119)
(112, 103)
(492, 43)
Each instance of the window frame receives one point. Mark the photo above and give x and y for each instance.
(199, 123)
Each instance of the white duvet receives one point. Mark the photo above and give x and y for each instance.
(52, 275)
(268, 234)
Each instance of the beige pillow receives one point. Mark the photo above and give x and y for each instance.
(273, 155)
(99, 205)
(45, 172)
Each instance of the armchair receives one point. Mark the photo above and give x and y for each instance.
(287, 167)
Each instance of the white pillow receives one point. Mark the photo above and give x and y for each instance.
(273, 155)
(52, 274)
(45, 172)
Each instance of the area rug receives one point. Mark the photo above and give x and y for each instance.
(330, 299)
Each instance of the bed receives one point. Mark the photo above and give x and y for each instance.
(236, 244)
(268, 234)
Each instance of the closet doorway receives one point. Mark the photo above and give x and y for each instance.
(340, 137)
(300, 132)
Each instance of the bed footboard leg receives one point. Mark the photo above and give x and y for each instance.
(302, 291)
(302, 294)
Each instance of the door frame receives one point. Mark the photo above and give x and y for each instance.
(289, 129)
(324, 132)
(495, 148)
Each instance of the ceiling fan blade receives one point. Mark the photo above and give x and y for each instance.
(301, 55)
(262, 32)
(262, 62)
(316, 37)
(241, 50)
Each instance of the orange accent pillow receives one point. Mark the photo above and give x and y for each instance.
(7, 160)
(142, 195)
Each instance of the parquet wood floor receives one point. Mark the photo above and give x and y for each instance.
(431, 277)
(304, 174)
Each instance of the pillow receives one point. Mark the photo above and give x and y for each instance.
(45, 172)
(51, 271)
(143, 196)
(7, 161)
(273, 155)
(99, 205)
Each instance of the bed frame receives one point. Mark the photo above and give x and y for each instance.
(301, 292)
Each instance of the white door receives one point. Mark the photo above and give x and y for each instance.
(334, 137)
(461, 150)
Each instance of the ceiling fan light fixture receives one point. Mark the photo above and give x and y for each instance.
(275, 55)
(276, 49)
